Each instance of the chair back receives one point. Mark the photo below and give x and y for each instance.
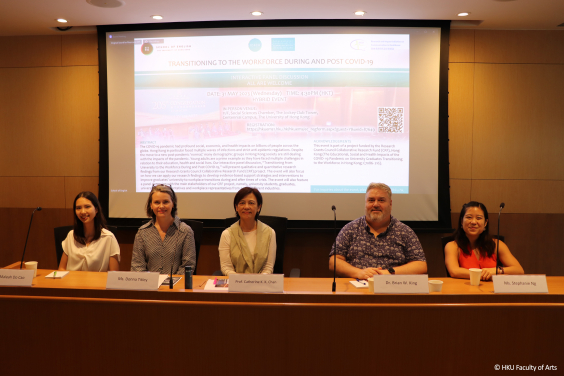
(198, 228)
(61, 234)
(447, 239)
(279, 225)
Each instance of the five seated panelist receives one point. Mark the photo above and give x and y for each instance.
(377, 243)
(89, 246)
(474, 247)
(165, 241)
(248, 246)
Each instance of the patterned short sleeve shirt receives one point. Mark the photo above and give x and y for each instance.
(396, 246)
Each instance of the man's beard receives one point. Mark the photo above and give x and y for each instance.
(375, 215)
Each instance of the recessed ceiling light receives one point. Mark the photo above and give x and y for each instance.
(157, 17)
(256, 13)
(61, 20)
(359, 13)
(463, 14)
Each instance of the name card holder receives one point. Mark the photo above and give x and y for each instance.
(133, 281)
(16, 277)
(273, 283)
(520, 284)
(401, 284)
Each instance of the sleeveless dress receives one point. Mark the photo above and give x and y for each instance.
(471, 261)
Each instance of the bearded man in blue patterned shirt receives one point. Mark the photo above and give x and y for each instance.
(377, 243)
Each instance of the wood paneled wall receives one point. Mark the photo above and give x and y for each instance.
(506, 130)
(506, 123)
(48, 137)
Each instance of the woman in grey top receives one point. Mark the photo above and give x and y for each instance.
(164, 242)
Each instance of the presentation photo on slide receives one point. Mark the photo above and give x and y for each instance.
(304, 113)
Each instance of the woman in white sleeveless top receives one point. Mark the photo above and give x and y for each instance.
(90, 246)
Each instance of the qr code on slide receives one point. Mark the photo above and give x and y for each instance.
(390, 119)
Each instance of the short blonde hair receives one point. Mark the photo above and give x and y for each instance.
(380, 186)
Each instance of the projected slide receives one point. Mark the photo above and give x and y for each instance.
(283, 113)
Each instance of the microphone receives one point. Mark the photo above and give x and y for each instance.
(335, 255)
(28, 230)
(497, 262)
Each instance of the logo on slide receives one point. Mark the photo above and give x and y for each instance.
(358, 44)
(255, 45)
(283, 44)
(146, 48)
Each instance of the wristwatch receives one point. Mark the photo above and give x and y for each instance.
(501, 271)
(392, 270)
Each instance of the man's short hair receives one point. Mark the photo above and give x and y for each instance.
(380, 186)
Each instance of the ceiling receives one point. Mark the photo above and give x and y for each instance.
(37, 17)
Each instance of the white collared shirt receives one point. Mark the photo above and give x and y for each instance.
(94, 257)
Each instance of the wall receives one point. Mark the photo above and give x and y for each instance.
(506, 130)
(506, 134)
(48, 137)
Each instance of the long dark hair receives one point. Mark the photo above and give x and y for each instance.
(244, 192)
(99, 220)
(484, 243)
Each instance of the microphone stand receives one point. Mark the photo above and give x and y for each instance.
(335, 255)
(170, 284)
(28, 230)
(497, 262)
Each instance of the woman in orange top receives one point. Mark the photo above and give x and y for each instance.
(474, 247)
